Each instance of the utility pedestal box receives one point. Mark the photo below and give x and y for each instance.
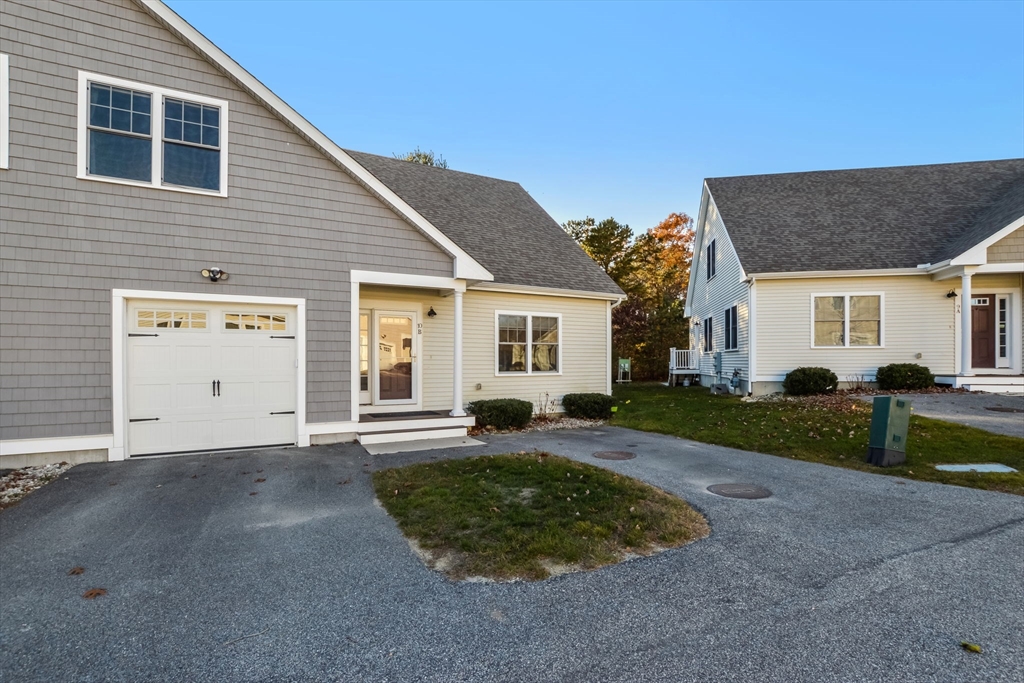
(890, 419)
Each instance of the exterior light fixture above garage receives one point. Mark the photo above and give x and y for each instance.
(214, 274)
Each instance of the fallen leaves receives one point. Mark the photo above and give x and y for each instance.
(94, 593)
(75, 571)
(260, 480)
(347, 481)
(254, 493)
(971, 647)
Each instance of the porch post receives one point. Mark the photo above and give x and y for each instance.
(965, 323)
(457, 410)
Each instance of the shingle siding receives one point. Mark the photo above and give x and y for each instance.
(1010, 249)
(293, 225)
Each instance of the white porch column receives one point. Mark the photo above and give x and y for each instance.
(457, 410)
(965, 323)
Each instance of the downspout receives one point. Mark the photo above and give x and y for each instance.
(611, 352)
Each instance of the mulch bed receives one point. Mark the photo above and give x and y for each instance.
(16, 484)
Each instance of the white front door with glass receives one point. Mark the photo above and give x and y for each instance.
(388, 357)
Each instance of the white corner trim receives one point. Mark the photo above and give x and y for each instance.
(545, 291)
(61, 444)
(611, 353)
(5, 112)
(157, 130)
(465, 266)
(529, 343)
(752, 330)
(119, 364)
(978, 254)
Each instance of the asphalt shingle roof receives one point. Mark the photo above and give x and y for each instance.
(869, 218)
(496, 222)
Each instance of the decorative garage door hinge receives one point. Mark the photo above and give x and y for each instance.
(145, 419)
(139, 334)
(282, 336)
(284, 412)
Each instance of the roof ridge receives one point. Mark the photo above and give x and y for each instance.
(436, 168)
(833, 171)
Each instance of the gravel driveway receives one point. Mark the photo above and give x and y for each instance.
(839, 576)
(999, 413)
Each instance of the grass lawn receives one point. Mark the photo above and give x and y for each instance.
(529, 515)
(836, 434)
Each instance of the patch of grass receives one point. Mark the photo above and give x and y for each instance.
(831, 431)
(523, 515)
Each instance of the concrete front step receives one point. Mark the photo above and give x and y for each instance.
(410, 435)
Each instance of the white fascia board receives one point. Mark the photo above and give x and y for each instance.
(465, 265)
(698, 247)
(807, 274)
(377, 277)
(546, 291)
(978, 254)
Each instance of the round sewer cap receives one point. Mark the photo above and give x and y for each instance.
(745, 491)
(614, 455)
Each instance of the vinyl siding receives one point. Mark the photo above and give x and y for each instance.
(712, 298)
(293, 224)
(1010, 249)
(584, 339)
(918, 318)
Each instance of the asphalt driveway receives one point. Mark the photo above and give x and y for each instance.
(997, 413)
(839, 576)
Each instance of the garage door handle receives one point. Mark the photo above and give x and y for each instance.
(284, 412)
(145, 419)
(216, 387)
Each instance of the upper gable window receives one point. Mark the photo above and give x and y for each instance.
(147, 135)
(710, 263)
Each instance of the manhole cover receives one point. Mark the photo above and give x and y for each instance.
(1002, 409)
(747, 491)
(615, 455)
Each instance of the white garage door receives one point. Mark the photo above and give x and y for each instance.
(205, 377)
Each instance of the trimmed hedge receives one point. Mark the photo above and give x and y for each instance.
(502, 413)
(591, 406)
(805, 381)
(904, 376)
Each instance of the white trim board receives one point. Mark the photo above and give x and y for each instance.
(119, 364)
(156, 128)
(464, 266)
(5, 112)
(544, 291)
(60, 444)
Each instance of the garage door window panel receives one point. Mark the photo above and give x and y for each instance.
(178, 320)
(256, 322)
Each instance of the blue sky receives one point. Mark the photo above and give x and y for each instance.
(621, 110)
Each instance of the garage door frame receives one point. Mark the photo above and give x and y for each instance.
(119, 366)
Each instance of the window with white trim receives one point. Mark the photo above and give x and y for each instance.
(142, 134)
(712, 252)
(843, 320)
(5, 111)
(528, 343)
(732, 337)
(709, 340)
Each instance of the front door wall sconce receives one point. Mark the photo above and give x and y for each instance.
(951, 294)
(431, 313)
(215, 274)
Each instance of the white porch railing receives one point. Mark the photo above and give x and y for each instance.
(682, 360)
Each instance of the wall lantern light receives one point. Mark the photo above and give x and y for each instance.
(431, 313)
(214, 274)
(951, 294)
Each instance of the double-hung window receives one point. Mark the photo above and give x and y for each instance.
(528, 343)
(148, 135)
(709, 335)
(845, 320)
(711, 254)
(732, 336)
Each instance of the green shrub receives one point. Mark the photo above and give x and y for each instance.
(590, 406)
(904, 376)
(804, 381)
(502, 413)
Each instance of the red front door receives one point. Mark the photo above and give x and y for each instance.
(983, 331)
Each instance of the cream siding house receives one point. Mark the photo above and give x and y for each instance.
(852, 270)
(190, 265)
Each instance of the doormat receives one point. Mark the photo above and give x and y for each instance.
(986, 467)
(418, 413)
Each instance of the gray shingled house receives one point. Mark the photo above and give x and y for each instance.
(852, 270)
(189, 265)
